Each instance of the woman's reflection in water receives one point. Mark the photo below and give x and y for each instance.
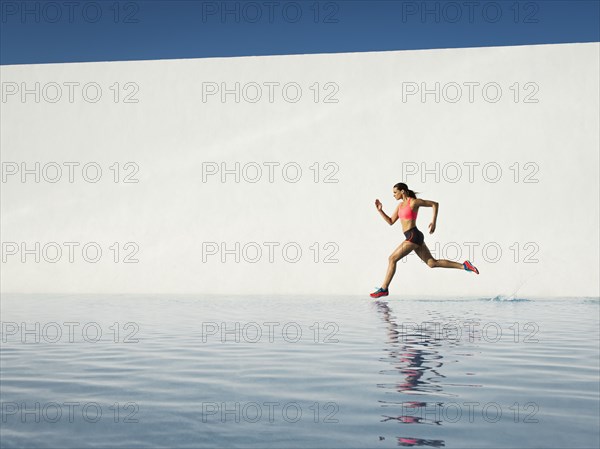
(413, 353)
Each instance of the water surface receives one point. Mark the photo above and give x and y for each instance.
(298, 371)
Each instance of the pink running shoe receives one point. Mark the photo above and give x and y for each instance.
(470, 267)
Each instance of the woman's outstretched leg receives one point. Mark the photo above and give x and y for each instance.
(423, 252)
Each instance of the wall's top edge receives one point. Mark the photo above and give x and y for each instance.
(303, 55)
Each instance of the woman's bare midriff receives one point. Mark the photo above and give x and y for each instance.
(408, 224)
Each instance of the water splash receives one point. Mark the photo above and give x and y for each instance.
(512, 297)
(509, 298)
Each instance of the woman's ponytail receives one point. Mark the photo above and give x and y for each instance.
(409, 193)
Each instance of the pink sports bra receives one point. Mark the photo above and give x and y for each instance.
(405, 212)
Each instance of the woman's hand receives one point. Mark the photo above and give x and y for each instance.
(431, 227)
(378, 205)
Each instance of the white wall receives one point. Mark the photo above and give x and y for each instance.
(369, 133)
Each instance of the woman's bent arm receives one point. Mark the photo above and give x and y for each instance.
(387, 219)
(428, 203)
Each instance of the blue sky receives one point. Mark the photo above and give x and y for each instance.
(53, 31)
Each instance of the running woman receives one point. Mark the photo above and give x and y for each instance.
(407, 211)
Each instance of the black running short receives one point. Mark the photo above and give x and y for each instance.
(415, 236)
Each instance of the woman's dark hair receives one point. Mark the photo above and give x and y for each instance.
(402, 186)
